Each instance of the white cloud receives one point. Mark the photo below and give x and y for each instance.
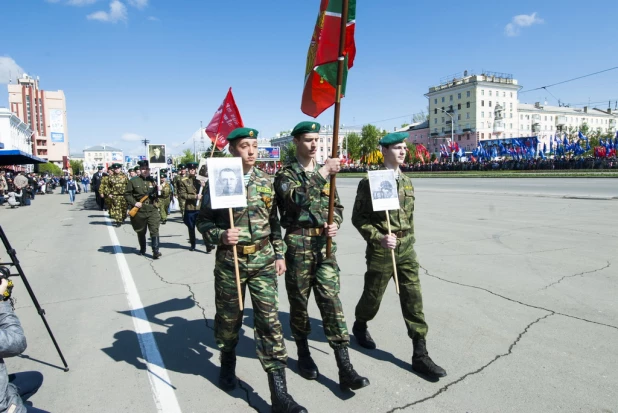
(138, 4)
(131, 137)
(9, 69)
(73, 2)
(117, 12)
(521, 20)
(153, 19)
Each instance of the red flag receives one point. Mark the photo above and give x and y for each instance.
(321, 72)
(226, 119)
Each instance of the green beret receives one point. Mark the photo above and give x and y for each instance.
(182, 166)
(393, 138)
(192, 165)
(136, 168)
(116, 165)
(143, 164)
(306, 127)
(241, 133)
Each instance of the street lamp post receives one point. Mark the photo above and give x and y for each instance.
(452, 136)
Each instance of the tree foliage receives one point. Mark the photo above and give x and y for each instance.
(353, 146)
(77, 166)
(370, 136)
(288, 153)
(187, 156)
(49, 168)
(218, 153)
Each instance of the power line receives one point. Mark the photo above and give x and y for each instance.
(570, 80)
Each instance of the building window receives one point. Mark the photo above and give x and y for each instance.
(467, 136)
(482, 92)
(442, 99)
(442, 129)
(510, 126)
(459, 106)
(435, 121)
(468, 94)
(458, 137)
(459, 96)
(511, 94)
(435, 111)
(450, 98)
(511, 105)
(468, 104)
(511, 116)
(482, 103)
(442, 119)
(467, 115)
(545, 118)
(490, 93)
(490, 103)
(482, 114)
(482, 136)
(482, 125)
(435, 101)
(459, 116)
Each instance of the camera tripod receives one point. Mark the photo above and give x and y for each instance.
(15, 263)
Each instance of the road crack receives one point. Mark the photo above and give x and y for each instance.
(519, 302)
(462, 378)
(575, 275)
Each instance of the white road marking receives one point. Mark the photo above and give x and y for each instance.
(160, 384)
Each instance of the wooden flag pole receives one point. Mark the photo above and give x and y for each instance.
(238, 289)
(388, 222)
(334, 154)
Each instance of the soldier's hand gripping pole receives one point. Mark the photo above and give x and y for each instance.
(15, 262)
(238, 289)
(388, 222)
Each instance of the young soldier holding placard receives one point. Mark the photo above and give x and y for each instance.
(374, 226)
(250, 250)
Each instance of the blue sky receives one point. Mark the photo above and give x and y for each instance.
(156, 68)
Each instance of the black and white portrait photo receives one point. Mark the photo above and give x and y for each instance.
(226, 183)
(156, 155)
(229, 182)
(383, 186)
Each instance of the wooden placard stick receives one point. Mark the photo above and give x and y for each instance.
(238, 289)
(388, 222)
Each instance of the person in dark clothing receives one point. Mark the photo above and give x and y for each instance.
(95, 184)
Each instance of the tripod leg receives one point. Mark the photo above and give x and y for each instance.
(15, 263)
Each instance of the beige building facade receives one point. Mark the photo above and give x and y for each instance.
(102, 156)
(45, 113)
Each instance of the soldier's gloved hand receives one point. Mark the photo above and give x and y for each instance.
(330, 230)
(389, 241)
(280, 267)
(138, 205)
(230, 236)
(331, 167)
(6, 288)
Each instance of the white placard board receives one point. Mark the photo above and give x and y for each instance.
(226, 183)
(202, 171)
(383, 188)
(157, 156)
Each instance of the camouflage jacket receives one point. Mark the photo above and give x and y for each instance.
(302, 197)
(256, 222)
(166, 190)
(137, 188)
(188, 189)
(113, 185)
(176, 182)
(372, 225)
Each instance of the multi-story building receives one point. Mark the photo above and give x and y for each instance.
(45, 113)
(419, 134)
(101, 156)
(324, 143)
(486, 106)
(15, 139)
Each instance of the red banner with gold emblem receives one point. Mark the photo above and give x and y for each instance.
(226, 119)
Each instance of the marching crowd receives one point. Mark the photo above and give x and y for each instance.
(250, 241)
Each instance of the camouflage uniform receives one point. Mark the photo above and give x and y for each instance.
(373, 226)
(181, 202)
(259, 227)
(164, 200)
(148, 216)
(103, 190)
(303, 205)
(115, 186)
(188, 189)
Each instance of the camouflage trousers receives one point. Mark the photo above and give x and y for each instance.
(163, 207)
(257, 272)
(378, 275)
(117, 207)
(307, 269)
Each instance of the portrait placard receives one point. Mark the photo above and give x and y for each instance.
(157, 156)
(202, 171)
(383, 188)
(226, 183)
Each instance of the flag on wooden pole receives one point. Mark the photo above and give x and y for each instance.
(226, 119)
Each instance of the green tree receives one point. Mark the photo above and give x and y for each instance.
(420, 117)
(76, 166)
(370, 136)
(49, 168)
(288, 153)
(187, 156)
(411, 154)
(404, 125)
(218, 153)
(354, 147)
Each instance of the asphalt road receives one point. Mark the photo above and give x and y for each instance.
(520, 292)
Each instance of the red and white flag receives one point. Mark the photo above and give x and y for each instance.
(226, 119)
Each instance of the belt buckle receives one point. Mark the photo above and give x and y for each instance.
(248, 249)
(313, 232)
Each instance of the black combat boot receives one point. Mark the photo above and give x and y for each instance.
(227, 374)
(306, 366)
(362, 335)
(142, 243)
(192, 239)
(155, 247)
(280, 400)
(349, 379)
(422, 363)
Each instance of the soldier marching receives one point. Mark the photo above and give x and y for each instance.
(112, 191)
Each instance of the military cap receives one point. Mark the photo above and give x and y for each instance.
(182, 166)
(143, 164)
(306, 127)
(192, 165)
(136, 168)
(99, 168)
(116, 165)
(393, 138)
(241, 133)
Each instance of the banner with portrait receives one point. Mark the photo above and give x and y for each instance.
(226, 183)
